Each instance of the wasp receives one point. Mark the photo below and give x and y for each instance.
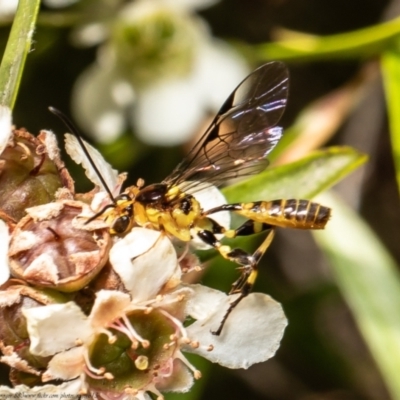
(236, 144)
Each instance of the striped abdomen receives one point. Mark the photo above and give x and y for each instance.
(292, 213)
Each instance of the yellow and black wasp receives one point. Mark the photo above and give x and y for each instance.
(235, 144)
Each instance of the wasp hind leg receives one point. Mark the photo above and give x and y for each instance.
(248, 262)
(246, 281)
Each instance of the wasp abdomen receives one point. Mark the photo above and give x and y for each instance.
(292, 213)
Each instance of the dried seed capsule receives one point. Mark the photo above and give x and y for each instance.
(50, 247)
(31, 172)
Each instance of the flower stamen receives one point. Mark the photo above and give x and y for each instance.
(178, 325)
(185, 251)
(93, 372)
(26, 150)
(126, 328)
(118, 326)
(111, 338)
(152, 389)
(196, 372)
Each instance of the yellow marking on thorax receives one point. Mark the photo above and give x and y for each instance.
(173, 219)
(184, 220)
(140, 214)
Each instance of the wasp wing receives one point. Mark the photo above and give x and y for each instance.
(241, 134)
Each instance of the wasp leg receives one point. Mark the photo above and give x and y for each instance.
(247, 279)
(249, 228)
(239, 256)
(225, 317)
(248, 262)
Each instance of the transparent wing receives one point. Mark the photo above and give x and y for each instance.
(241, 134)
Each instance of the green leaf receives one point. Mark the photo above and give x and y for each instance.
(391, 78)
(369, 280)
(302, 179)
(360, 43)
(17, 49)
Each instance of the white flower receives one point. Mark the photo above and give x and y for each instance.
(155, 269)
(8, 8)
(160, 72)
(153, 309)
(75, 151)
(5, 127)
(131, 338)
(251, 333)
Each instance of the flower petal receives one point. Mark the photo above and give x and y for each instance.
(99, 99)
(180, 380)
(4, 241)
(12, 359)
(219, 69)
(108, 306)
(8, 8)
(65, 365)
(251, 334)
(91, 34)
(145, 260)
(5, 125)
(56, 327)
(75, 151)
(168, 112)
(204, 302)
(69, 390)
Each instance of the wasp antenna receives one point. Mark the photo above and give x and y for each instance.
(69, 124)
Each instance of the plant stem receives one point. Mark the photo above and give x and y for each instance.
(18, 46)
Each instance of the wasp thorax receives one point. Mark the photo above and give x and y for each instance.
(152, 194)
(30, 173)
(51, 247)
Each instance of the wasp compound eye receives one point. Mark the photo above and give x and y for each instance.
(121, 224)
